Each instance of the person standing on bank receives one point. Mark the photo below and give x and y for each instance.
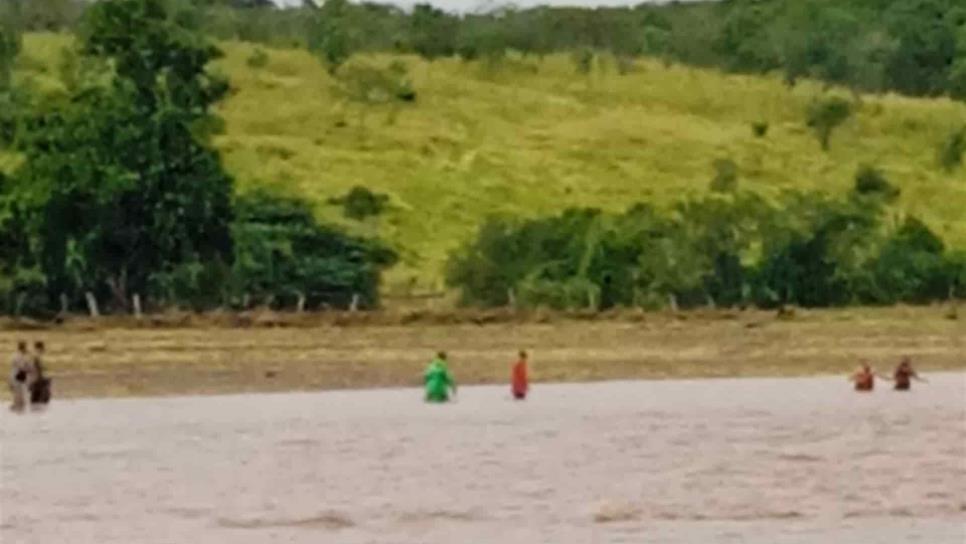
(38, 382)
(19, 371)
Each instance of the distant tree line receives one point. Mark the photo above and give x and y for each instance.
(728, 249)
(915, 47)
(121, 197)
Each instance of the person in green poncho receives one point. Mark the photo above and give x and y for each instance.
(439, 382)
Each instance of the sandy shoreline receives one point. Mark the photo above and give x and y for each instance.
(110, 361)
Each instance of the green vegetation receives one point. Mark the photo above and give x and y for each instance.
(732, 250)
(360, 203)
(120, 194)
(872, 181)
(532, 142)
(489, 113)
(825, 115)
(915, 47)
(283, 256)
(952, 149)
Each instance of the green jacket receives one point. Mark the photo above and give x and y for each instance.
(438, 381)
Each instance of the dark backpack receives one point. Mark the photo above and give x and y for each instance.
(40, 391)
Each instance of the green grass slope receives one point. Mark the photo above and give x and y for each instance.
(533, 137)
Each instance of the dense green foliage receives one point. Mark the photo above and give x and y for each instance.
(282, 254)
(916, 47)
(117, 189)
(116, 185)
(731, 249)
(120, 192)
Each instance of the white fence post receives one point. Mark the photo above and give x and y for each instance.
(92, 304)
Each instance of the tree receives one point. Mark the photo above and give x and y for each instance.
(433, 32)
(926, 46)
(825, 115)
(957, 73)
(816, 251)
(120, 183)
(911, 266)
(10, 41)
(745, 39)
(282, 253)
(331, 36)
(957, 79)
(483, 37)
(817, 42)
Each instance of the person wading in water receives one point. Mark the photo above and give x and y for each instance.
(864, 377)
(904, 374)
(519, 380)
(439, 382)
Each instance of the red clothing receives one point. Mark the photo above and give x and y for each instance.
(864, 381)
(519, 381)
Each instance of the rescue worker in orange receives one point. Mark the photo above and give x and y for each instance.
(520, 379)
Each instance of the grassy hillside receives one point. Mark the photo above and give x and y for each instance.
(535, 137)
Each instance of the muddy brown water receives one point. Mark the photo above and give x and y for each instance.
(745, 460)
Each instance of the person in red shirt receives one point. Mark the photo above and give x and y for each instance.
(520, 381)
(864, 377)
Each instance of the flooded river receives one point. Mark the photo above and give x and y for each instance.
(750, 460)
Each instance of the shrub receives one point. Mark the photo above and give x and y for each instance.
(370, 84)
(952, 149)
(258, 59)
(360, 203)
(583, 60)
(733, 249)
(759, 129)
(871, 181)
